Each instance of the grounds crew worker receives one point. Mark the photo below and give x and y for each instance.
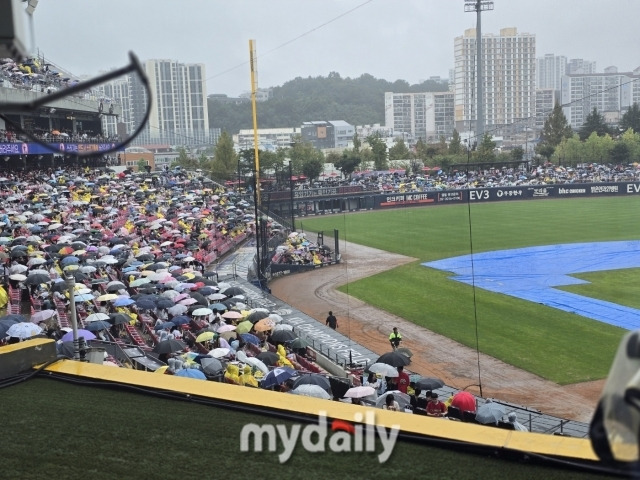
(395, 338)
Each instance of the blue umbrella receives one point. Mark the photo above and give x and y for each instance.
(221, 307)
(145, 303)
(124, 302)
(70, 260)
(85, 297)
(180, 320)
(250, 338)
(277, 376)
(163, 325)
(191, 373)
(98, 325)
(5, 323)
(165, 303)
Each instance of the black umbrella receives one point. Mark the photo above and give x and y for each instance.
(253, 317)
(5, 324)
(395, 359)
(208, 282)
(79, 276)
(313, 379)
(97, 325)
(114, 287)
(206, 291)
(233, 291)
(119, 318)
(59, 287)
(429, 383)
(269, 358)
(169, 346)
(199, 297)
(210, 274)
(282, 336)
(37, 279)
(338, 387)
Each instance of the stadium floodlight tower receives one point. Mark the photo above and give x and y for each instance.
(478, 6)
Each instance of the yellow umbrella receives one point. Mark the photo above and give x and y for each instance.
(244, 327)
(162, 369)
(106, 297)
(205, 336)
(146, 273)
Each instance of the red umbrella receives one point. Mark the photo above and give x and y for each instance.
(464, 401)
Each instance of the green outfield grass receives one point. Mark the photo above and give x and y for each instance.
(559, 346)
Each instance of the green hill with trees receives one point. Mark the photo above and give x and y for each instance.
(358, 101)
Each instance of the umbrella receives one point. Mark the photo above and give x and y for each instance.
(5, 324)
(114, 287)
(232, 315)
(119, 318)
(233, 291)
(180, 320)
(429, 383)
(402, 398)
(464, 401)
(37, 279)
(338, 386)
(164, 303)
(18, 277)
(169, 346)
(23, 330)
(249, 338)
(313, 379)
(299, 343)
(202, 311)
(490, 412)
(97, 317)
(107, 297)
(254, 362)
(253, 317)
(219, 352)
(177, 309)
(359, 392)
(219, 307)
(163, 325)
(211, 366)
(264, 325)
(191, 373)
(98, 325)
(244, 327)
(277, 376)
(42, 316)
(146, 303)
(205, 336)
(405, 351)
(85, 297)
(394, 359)
(311, 391)
(384, 369)
(282, 336)
(269, 358)
(81, 333)
(139, 282)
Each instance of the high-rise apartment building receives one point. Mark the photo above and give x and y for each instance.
(579, 65)
(179, 113)
(610, 93)
(550, 70)
(427, 116)
(509, 71)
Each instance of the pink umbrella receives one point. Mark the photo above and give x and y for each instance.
(226, 328)
(188, 301)
(182, 296)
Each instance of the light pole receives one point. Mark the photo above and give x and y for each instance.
(71, 284)
(478, 6)
(293, 220)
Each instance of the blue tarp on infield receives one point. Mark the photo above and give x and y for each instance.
(532, 273)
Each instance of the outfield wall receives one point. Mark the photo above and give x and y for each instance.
(323, 201)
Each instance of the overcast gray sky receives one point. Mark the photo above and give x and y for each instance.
(389, 39)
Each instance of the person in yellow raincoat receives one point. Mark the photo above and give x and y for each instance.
(283, 361)
(231, 374)
(4, 297)
(247, 379)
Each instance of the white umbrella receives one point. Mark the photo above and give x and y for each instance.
(23, 330)
(359, 392)
(283, 326)
(384, 370)
(311, 391)
(402, 398)
(259, 364)
(202, 311)
(18, 268)
(219, 352)
(94, 317)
